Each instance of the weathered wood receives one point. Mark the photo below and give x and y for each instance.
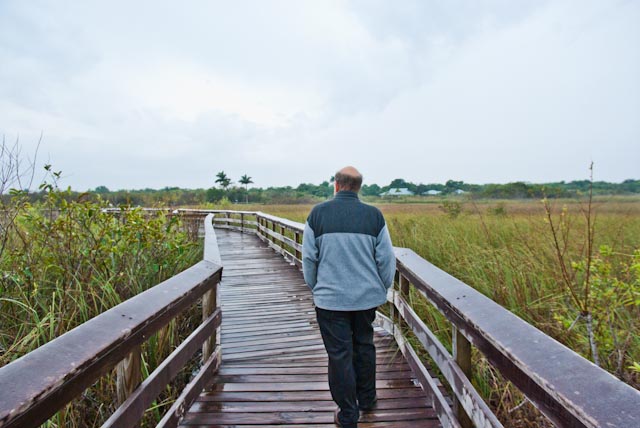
(209, 304)
(404, 286)
(128, 374)
(274, 235)
(211, 250)
(462, 355)
(249, 397)
(229, 221)
(130, 412)
(428, 384)
(298, 247)
(466, 394)
(289, 224)
(270, 237)
(281, 237)
(299, 405)
(191, 391)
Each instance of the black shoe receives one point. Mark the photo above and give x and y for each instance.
(369, 406)
(336, 420)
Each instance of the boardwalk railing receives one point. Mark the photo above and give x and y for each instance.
(565, 387)
(34, 387)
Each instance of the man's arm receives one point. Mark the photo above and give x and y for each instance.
(385, 258)
(309, 257)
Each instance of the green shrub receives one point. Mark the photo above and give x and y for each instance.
(67, 260)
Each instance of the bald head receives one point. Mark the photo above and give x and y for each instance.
(349, 179)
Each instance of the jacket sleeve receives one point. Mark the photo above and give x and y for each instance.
(385, 257)
(309, 257)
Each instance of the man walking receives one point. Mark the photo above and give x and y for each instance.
(349, 264)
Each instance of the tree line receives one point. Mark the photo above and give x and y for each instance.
(226, 191)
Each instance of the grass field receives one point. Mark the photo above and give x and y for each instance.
(507, 251)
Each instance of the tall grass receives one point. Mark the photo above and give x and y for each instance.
(67, 261)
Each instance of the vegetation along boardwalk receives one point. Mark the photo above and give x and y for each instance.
(262, 362)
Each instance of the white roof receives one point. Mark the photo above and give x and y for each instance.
(395, 191)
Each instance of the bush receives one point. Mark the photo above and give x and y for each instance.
(68, 260)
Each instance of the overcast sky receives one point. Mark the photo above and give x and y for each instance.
(158, 93)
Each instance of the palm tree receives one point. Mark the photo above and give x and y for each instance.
(223, 180)
(246, 180)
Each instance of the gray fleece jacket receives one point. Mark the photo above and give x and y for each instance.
(347, 256)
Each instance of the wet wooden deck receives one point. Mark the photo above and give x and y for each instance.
(274, 367)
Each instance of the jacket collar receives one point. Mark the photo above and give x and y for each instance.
(345, 194)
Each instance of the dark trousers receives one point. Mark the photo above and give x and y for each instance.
(348, 339)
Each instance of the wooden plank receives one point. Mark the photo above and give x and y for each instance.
(302, 377)
(191, 391)
(253, 396)
(468, 397)
(286, 369)
(299, 406)
(290, 225)
(276, 417)
(211, 250)
(385, 424)
(301, 386)
(277, 340)
(437, 400)
(130, 412)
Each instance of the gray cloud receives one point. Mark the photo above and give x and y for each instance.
(150, 94)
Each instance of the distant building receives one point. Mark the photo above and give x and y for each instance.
(432, 192)
(394, 191)
(459, 191)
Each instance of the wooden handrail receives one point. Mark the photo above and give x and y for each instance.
(37, 385)
(568, 389)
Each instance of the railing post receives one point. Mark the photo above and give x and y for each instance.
(282, 233)
(242, 222)
(273, 229)
(404, 287)
(462, 354)
(392, 305)
(209, 304)
(297, 237)
(128, 374)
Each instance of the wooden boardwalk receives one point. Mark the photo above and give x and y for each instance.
(274, 367)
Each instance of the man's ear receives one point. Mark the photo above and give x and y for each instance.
(336, 189)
